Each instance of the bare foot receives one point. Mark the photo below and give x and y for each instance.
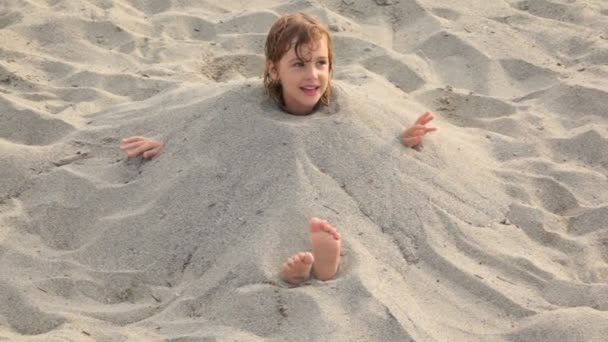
(325, 241)
(297, 268)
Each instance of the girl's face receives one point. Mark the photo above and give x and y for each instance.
(303, 81)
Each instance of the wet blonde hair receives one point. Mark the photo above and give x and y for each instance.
(303, 29)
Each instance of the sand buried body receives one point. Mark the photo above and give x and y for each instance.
(494, 229)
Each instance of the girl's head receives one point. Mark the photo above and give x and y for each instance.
(299, 63)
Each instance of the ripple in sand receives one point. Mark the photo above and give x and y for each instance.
(445, 13)
(29, 127)
(528, 76)
(24, 317)
(590, 221)
(588, 148)
(464, 109)
(256, 22)
(457, 62)
(554, 196)
(10, 18)
(395, 71)
(231, 67)
(183, 27)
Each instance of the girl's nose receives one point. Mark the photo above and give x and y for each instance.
(312, 71)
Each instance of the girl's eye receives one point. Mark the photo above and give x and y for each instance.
(322, 62)
(298, 64)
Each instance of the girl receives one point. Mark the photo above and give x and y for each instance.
(299, 65)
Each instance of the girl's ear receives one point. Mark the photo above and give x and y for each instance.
(272, 70)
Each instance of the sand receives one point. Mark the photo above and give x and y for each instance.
(495, 230)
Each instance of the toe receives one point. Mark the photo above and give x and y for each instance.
(329, 229)
(326, 227)
(301, 257)
(308, 258)
(316, 224)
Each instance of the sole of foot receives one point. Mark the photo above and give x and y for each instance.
(326, 244)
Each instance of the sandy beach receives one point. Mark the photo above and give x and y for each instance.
(495, 230)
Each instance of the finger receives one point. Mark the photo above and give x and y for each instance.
(423, 131)
(137, 150)
(130, 146)
(424, 118)
(152, 152)
(145, 147)
(421, 118)
(414, 135)
(416, 130)
(132, 139)
(428, 119)
(132, 153)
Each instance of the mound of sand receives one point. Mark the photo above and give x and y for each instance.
(495, 230)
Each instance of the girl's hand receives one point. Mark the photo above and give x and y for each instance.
(135, 146)
(413, 136)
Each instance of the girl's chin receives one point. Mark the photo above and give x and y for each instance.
(302, 108)
(311, 100)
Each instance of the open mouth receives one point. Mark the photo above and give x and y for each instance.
(310, 90)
